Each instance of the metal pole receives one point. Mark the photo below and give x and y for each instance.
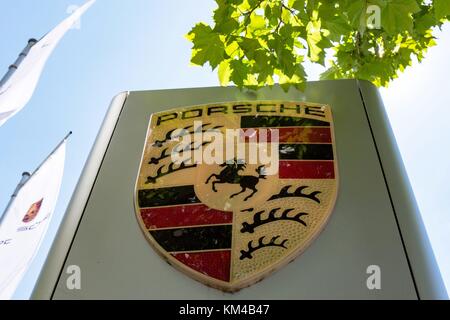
(15, 66)
(26, 176)
(51, 153)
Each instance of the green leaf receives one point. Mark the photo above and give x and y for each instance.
(257, 22)
(441, 8)
(355, 11)
(286, 32)
(313, 38)
(299, 5)
(396, 16)
(239, 72)
(338, 27)
(329, 74)
(223, 17)
(410, 5)
(250, 46)
(208, 47)
(255, 42)
(273, 14)
(227, 26)
(380, 3)
(224, 72)
(261, 59)
(287, 62)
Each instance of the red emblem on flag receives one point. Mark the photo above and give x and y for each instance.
(33, 211)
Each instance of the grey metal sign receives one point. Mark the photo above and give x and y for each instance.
(374, 245)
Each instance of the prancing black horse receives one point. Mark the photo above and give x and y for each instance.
(230, 174)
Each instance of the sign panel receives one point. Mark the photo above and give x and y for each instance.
(230, 192)
(157, 160)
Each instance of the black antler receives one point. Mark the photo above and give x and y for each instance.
(186, 148)
(257, 221)
(169, 137)
(297, 193)
(272, 243)
(161, 157)
(160, 143)
(170, 169)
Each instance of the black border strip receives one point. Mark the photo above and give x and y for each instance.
(263, 121)
(388, 190)
(203, 238)
(307, 151)
(168, 196)
(90, 193)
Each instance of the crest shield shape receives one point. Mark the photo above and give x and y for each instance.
(229, 192)
(33, 211)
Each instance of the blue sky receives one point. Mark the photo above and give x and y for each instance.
(140, 45)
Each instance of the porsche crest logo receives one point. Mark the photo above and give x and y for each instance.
(230, 192)
(33, 211)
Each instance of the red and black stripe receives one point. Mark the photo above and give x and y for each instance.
(194, 238)
(306, 170)
(280, 121)
(183, 215)
(289, 135)
(196, 235)
(167, 196)
(306, 150)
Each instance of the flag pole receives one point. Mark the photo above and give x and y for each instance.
(26, 176)
(15, 66)
(51, 153)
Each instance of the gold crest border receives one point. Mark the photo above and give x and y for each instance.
(266, 272)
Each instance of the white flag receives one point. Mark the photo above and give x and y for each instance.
(26, 221)
(19, 88)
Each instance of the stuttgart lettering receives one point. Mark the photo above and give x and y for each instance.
(5, 242)
(33, 226)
